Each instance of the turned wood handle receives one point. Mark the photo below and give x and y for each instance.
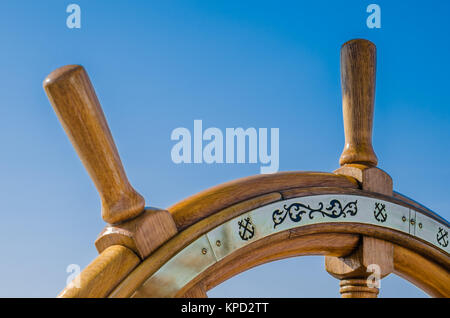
(358, 67)
(74, 100)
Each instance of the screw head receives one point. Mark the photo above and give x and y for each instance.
(204, 251)
(218, 243)
(413, 221)
(404, 218)
(420, 225)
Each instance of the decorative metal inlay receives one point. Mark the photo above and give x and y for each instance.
(380, 212)
(246, 229)
(442, 237)
(296, 210)
(267, 220)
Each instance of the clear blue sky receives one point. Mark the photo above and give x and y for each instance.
(158, 65)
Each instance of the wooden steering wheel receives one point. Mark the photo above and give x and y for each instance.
(351, 216)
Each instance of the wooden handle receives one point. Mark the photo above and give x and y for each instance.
(74, 100)
(358, 67)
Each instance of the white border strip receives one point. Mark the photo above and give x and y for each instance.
(293, 213)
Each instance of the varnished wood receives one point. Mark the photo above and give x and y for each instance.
(103, 274)
(143, 234)
(371, 179)
(357, 288)
(422, 271)
(304, 192)
(381, 233)
(358, 67)
(377, 232)
(138, 276)
(204, 225)
(74, 100)
(207, 202)
(349, 247)
(282, 240)
(198, 291)
(397, 198)
(274, 247)
(379, 252)
(181, 240)
(370, 251)
(277, 247)
(352, 269)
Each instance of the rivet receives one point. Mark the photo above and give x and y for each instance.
(218, 243)
(204, 251)
(413, 221)
(420, 225)
(404, 218)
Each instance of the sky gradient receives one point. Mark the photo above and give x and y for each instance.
(159, 65)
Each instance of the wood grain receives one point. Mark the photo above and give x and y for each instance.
(208, 202)
(169, 249)
(197, 291)
(276, 247)
(143, 234)
(163, 254)
(372, 179)
(103, 274)
(422, 272)
(349, 247)
(357, 288)
(386, 234)
(74, 100)
(358, 67)
(353, 271)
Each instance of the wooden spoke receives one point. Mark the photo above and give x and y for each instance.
(352, 216)
(74, 100)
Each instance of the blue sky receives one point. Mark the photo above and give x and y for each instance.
(159, 65)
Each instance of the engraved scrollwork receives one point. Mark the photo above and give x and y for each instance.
(335, 210)
(295, 211)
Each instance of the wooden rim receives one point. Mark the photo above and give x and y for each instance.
(294, 242)
(135, 233)
(324, 239)
(207, 202)
(195, 219)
